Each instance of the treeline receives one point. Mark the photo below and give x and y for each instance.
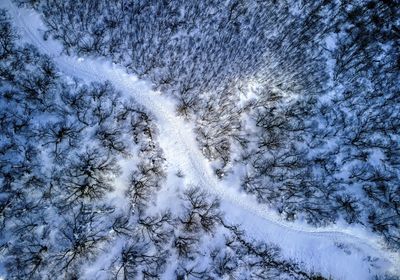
(66, 212)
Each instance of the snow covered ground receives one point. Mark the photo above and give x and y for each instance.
(340, 251)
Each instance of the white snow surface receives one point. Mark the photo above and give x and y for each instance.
(361, 253)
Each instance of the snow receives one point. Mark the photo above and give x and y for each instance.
(317, 248)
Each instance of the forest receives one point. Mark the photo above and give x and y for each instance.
(62, 210)
(297, 102)
(324, 121)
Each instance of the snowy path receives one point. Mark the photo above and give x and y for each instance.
(316, 247)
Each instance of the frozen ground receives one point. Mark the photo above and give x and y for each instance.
(340, 251)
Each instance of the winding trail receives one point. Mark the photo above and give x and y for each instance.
(316, 247)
